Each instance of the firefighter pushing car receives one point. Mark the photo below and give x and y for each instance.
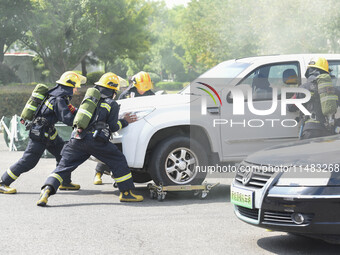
(45, 109)
(94, 140)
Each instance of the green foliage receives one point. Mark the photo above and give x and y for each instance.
(211, 31)
(39, 65)
(12, 24)
(123, 32)
(128, 36)
(155, 78)
(62, 33)
(118, 67)
(7, 75)
(169, 85)
(93, 77)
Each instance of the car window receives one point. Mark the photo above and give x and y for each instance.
(263, 79)
(335, 74)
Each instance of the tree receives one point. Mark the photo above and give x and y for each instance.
(12, 26)
(61, 32)
(123, 33)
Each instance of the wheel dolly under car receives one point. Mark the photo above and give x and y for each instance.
(160, 191)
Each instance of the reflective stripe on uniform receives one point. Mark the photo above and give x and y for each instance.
(312, 121)
(106, 106)
(37, 95)
(119, 124)
(87, 113)
(49, 105)
(325, 85)
(123, 178)
(54, 135)
(10, 173)
(326, 98)
(31, 107)
(57, 176)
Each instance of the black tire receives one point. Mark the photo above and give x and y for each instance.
(194, 152)
(140, 177)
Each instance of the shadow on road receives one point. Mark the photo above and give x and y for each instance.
(219, 194)
(81, 204)
(292, 244)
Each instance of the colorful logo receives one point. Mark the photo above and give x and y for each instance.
(209, 93)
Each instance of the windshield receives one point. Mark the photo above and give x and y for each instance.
(226, 70)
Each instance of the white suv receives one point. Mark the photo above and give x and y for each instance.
(176, 135)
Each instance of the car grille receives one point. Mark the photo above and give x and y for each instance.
(259, 176)
(283, 218)
(249, 213)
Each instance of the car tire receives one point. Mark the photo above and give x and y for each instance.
(174, 161)
(140, 177)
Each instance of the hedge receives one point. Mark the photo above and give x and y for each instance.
(13, 98)
(169, 85)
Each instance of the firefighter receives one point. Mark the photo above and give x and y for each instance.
(317, 124)
(43, 134)
(142, 86)
(94, 140)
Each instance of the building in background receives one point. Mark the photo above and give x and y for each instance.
(22, 64)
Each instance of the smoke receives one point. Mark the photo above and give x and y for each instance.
(279, 27)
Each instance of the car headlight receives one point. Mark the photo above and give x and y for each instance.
(142, 113)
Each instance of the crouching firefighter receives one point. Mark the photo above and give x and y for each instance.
(94, 140)
(43, 135)
(142, 86)
(323, 103)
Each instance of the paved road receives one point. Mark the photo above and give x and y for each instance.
(93, 221)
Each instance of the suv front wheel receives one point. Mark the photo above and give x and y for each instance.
(175, 161)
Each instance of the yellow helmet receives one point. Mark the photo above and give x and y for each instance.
(320, 63)
(71, 79)
(109, 80)
(142, 81)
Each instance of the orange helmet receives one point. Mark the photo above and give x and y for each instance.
(142, 81)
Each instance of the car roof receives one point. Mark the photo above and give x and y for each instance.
(288, 57)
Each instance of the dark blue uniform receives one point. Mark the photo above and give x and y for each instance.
(83, 145)
(54, 109)
(101, 167)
